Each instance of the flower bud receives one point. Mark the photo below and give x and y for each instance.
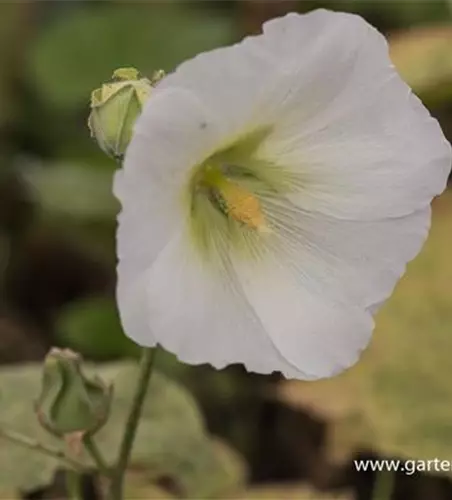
(115, 107)
(69, 401)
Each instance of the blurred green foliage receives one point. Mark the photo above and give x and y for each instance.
(397, 400)
(423, 57)
(171, 442)
(69, 191)
(394, 14)
(79, 52)
(92, 326)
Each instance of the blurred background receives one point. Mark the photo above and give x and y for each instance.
(271, 438)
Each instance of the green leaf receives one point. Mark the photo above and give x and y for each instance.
(74, 191)
(171, 439)
(224, 475)
(80, 51)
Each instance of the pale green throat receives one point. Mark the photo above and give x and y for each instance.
(228, 195)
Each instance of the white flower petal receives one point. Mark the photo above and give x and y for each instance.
(131, 295)
(200, 316)
(366, 148)
(297, 53)
(228, 80)
(383, 158)
(360, 160)
(351, 262)
(173, 133)
(315, 334)
(149, 187)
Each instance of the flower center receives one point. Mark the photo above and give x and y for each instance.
(231, 198)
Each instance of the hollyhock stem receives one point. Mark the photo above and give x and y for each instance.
(73, 485)
(96, 455)
(132, 422)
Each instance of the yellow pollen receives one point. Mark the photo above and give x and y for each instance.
(241, 204)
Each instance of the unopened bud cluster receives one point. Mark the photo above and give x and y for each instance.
(115, 106)
(70, 402)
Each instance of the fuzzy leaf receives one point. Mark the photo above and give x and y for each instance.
(171, 439)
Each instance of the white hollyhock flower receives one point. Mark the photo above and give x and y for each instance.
(272, 194)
